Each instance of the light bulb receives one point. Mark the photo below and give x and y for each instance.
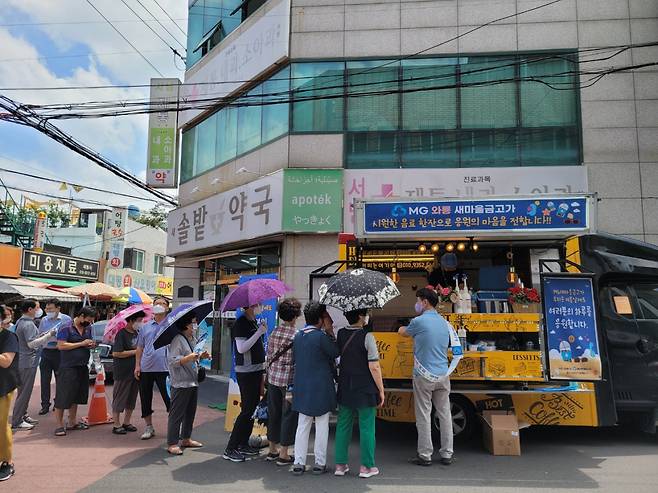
(422, 248)
(450, 247)
(395, 277)
(435, 248)
(475, 247)
(461, 246)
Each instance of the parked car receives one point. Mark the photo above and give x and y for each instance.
(97, 331)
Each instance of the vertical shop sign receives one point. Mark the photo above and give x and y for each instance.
(572, 337)
(39, 232)
(162, 133)
(117, 232)
(313, 200)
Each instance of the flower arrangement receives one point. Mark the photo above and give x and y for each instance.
(523, 296)
(447, 294)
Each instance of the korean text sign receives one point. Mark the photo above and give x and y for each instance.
(572, 337)
(313, 200)
(117, 232)
(161, 156)
(487, 215)
(58, 266)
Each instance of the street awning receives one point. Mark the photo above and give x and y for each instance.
(27, 290)
(7, 288)
(57, 282)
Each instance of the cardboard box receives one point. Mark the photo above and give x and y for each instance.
(500, 433)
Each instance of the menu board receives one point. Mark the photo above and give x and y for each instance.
(572, 335)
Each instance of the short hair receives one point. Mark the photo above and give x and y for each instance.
(429, 295)
(53, 301)
(290, 309)
(135, 316)
(27, 304)
(353, 316)
(313, 312)
(158, 298)
(185, 320)
(86, 311)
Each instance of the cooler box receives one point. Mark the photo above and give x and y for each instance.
(492, 302)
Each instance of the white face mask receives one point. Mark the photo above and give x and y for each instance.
(38, 313)
(138, 326)
(195, 328)
(7, 321)
(366, 320)
(51, 315)
(159, 309)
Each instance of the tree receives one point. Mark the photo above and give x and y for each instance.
(156, 218)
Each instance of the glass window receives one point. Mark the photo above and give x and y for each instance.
(551, 99)
(309, 81)
(194, 32)
(430, 150)
(549, 146)
(489, 148)
(138, 260)
(372, 150)
(205, 144)
(227, 134)
(434, 109)
(188, 153)
(489, 105)
(276, 116)
(372, 113)
(249, 121)
(647, 298)
(158, 264)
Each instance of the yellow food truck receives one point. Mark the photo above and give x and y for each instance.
(586, 355)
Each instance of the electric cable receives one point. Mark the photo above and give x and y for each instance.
(162, 25)
(170, 18)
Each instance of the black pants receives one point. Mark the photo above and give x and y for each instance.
(249, 384)
(281, 419)
(181, 416)
(146, 381)
(48, 367)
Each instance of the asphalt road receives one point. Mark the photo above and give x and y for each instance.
(553, 459)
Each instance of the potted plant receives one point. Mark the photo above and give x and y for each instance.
(524, 300)
(447, 296)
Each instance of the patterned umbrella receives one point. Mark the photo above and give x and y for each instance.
(253, 292)
(133, 295)
(118, 322)
(94, 290)
(169, 327)
(358, 288)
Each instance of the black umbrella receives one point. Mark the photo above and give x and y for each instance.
(358, 288)
(169, 327)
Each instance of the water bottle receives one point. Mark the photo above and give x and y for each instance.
(96, 358)
(461, 333)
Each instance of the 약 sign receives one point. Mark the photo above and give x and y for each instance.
(58, 266)
(161, 155)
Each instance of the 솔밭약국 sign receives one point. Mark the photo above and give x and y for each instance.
(571, 330)
(313, 200)
(477, 216)
(58, 266)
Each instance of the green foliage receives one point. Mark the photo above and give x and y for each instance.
(156, 218)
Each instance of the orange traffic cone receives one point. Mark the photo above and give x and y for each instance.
(98, 414)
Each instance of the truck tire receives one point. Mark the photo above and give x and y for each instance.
(464, 420)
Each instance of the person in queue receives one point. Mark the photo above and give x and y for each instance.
(49, 365)
(183, 365)
(30, 342)
(8, 384)
(249, 352)
(360, 392)
(126, 386)
(74, 342)
(314, 393)
(431, 382)
(282, 420)
(151, 365)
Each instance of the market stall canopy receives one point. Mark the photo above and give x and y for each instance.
(26, 289)
(7, 288)
(60, 283)
(94, 290)
(133, 295)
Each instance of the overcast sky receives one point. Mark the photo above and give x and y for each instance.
(66, 43)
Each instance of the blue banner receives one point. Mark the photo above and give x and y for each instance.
(572, 337)
(545, 214)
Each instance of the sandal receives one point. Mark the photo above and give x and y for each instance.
(174, 450)
(80, 426)
(129, 427)
(191, 444)
(60, 432)
(119, 430)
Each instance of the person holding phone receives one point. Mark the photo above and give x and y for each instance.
(183, 365)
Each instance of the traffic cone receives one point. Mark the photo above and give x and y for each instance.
(98, 414)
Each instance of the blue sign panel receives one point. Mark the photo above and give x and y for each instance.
(572, 337)
(545, 214)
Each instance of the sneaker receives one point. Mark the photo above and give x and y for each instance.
(368, 472)
(119, 430)
(419, 461)
(248, 451)
(30, 421)
(298, 469)
(149, 433)
(24, 426)
(271, 457)
(285, 462)
(446, 461)
(233, 456)
(318, 470)
(341, 469)
(44, 411)
(6, 471)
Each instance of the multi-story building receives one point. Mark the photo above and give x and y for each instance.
(425, 98)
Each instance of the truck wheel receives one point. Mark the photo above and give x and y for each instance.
(463, 419)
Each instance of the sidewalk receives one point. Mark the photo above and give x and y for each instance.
(66, 464)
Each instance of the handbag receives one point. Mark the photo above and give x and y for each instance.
(201, 371)
(261, 414)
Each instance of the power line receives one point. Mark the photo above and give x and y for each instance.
(82, 55)
(170, 18)
(117, 237)
(66, 23)
(162, 25)
(66, 199)
(124, 38)
(153, 30)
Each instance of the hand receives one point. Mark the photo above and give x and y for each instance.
(138, 373)
(205, 355)
(262, 328)
(53, 332)
(381, 399)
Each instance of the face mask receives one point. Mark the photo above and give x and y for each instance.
(258, 310)
(51, 315)
(195, 328)
(366, 320)
(159, 309)
(418, 307)
(38, 313)
(138, 326)
(85, 323)
(7, 321)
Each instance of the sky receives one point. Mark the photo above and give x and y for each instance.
(55, 43)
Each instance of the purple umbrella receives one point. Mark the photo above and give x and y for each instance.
(253, 292)
(169, 327)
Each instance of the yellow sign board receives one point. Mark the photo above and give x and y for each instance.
(496, 322)
(165, 286)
